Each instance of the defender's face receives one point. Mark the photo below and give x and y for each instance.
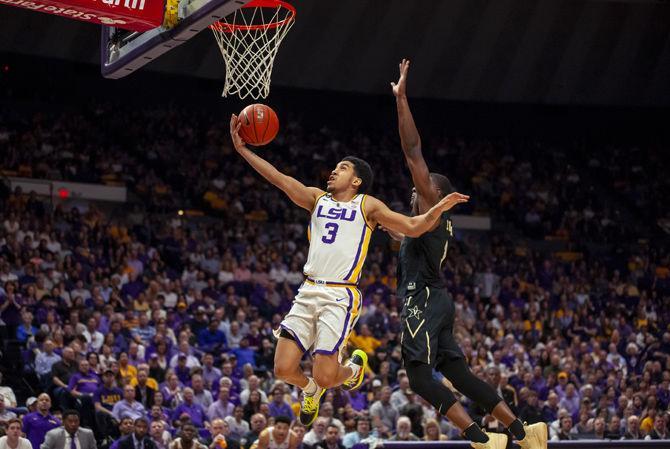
(341, 177)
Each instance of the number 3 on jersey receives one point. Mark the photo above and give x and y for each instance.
(332, 233)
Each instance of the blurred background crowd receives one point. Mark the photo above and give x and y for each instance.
(159, 315)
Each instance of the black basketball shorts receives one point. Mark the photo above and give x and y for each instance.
(428, 327)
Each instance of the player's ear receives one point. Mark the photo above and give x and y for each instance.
(357, 182)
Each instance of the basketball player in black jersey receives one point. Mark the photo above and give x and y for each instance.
(428, 310)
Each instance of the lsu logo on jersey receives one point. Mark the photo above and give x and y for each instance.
(336, 213)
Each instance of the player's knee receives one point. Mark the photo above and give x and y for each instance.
(283, 368)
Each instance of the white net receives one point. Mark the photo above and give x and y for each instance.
(249, 39)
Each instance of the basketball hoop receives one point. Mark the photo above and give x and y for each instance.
(249, 40)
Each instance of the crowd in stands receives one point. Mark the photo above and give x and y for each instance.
(161, 329)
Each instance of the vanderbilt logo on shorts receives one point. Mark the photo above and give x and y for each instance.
(411, 286)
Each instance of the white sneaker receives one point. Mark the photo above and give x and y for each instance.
(496, 441)
(536, 436)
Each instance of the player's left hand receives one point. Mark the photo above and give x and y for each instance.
(399, 89)
(451, 200)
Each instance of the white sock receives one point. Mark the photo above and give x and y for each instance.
(311, 387)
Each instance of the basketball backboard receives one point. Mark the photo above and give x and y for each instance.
(122, 52)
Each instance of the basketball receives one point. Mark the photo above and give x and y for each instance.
(259, 124)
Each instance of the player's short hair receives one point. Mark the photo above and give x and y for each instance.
(363, 171)
(442, 183)
(283, 419)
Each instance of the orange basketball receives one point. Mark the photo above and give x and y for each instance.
(259, 124)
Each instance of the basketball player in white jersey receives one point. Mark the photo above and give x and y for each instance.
(328, 302)
(278, 436)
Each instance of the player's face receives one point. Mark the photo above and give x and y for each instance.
(281, 430)
(342, 177)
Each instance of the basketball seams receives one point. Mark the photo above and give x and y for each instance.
(261, 135)
(253, 124)
(267, 122)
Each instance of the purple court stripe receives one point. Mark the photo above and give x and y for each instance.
(358, 253)
(297, 340)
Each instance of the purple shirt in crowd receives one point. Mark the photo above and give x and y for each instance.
(84, 383)
(36, 426)
(194, 411)
(281, 409)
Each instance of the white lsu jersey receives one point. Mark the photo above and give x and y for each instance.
(339, 236)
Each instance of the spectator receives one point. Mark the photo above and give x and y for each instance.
(362, 432)
(104, 399)
(5, 415)
(659, 432)
(126, 428)
(128, 406)
(13, 438)
(254, 385)
(210, 373)
(221, 438)
(599, 428)
(331, 440)
(565, 431)
(383, 415)
(404, 430)
(328, 411)
(61, 372)
(37, 424)
(70, 435)
(245, 355)
(398, 397)
(570, 400)
(144, 389)
(44, 362)
(212, 339)
(82, 386)
(299, 431)
(238, 426)
(223, 409)
(8, 394)
(614, 429)
(190, 409)
(93, 336)
(432, 431)
(187, 439)
(26, 331)
(530, 412)
(632, 428)
(258, 423)
(160, 436)
(278, 406)
(200, 394)
(139, 439)
(317, 433)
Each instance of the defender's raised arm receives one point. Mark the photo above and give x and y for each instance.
(411, 141)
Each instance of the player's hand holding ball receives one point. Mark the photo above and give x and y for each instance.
(256, 125)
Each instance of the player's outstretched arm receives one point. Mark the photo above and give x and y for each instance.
(300, 194)
(410, 141)
(379, 213)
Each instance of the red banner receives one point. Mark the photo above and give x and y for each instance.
(135, 15)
